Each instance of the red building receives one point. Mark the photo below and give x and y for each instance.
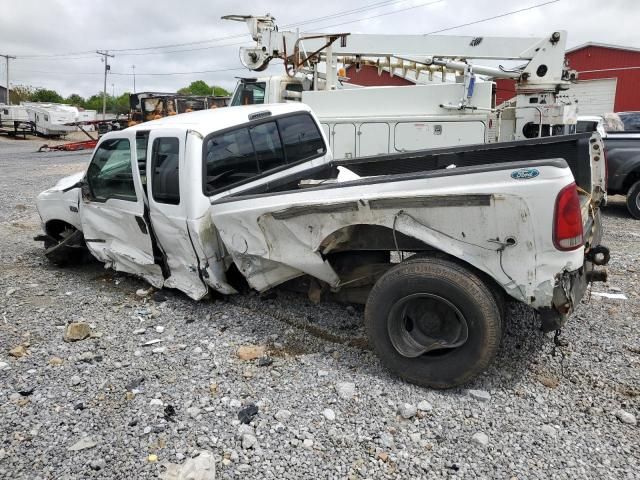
(368, 77)
(609, 78)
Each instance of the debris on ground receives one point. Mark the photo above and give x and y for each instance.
(250, 352)
(76, 331)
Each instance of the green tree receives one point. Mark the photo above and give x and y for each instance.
(75, 100)
(21, 93)
(46, 95)
(94, 102)
(199, 87)
(220, 92)
(121, 103)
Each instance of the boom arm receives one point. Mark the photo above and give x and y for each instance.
(543, 75)
(544, 57)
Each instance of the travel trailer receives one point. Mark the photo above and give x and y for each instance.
(51, 119)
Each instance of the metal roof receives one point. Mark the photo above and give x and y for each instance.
(603, 45)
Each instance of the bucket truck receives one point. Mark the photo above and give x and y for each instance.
(378, 120)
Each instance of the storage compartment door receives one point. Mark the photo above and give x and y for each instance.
(373, 139)
(423, 135)
(344, 141)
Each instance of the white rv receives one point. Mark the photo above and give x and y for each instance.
(10, 114)
(51, 119)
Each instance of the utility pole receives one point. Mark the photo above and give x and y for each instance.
(105, 58)
(134, 78)
(113, 90)
(7, 58)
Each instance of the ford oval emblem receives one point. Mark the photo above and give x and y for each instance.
(525, 173)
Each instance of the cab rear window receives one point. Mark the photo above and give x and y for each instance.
(244, 153)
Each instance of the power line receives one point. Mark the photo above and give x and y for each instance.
(84, 54)
(385, 14)
(494, 17)
(137, 74)
(346, 12)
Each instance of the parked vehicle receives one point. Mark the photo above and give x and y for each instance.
(14, 120)
(433, 242)
(51, 119)
(145, 106)
(631, 121)
(622, 153)
(362, 121)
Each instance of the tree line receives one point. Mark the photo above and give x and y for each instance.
(115, 104)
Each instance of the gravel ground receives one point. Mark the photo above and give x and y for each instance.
(109, 407)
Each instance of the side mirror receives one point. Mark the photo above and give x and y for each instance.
(79, 184)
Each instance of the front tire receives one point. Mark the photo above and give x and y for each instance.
(437, 305)
(633, 200)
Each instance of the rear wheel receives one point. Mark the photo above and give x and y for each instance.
(433, 322)
(633, 200)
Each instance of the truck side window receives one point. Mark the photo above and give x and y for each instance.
(165, 167)
(109, 174)
(229, 158)
(251, 93)
(301, 138)
(142, 139)
(266, 142)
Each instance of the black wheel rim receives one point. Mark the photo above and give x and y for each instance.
(423, 322)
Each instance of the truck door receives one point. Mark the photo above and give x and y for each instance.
(168, 190)
(112, 210)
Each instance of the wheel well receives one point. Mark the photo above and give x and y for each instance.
(367, 241)
(369, 237)
(54, 228)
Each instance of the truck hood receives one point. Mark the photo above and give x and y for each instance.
(69, 181)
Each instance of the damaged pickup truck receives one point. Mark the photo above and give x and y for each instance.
(433, 242)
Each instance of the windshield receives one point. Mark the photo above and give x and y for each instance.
(585, 126)
(248, 94)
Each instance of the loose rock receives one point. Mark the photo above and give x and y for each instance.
(329, 414)
(250, 352)
(83, 444)
(480, 395)
(425, 406)
(248, 441)
(345, 390)
(56, 361)
(202, 466)
(76, 331)
(480, 439)
(406, 410)
(19, 351)
(282, 415)
(625, 417)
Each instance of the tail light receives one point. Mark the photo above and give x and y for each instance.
(567, 220)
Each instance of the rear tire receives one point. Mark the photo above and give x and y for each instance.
(441, 286)
(633, 200)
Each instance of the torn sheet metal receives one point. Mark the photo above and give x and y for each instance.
(104, 229)
(469, 227)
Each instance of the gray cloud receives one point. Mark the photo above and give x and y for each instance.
(33, 27)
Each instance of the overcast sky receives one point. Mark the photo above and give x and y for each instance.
(54, 40)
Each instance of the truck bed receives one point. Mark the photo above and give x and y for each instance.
(574, 149)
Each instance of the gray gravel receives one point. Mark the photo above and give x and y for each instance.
(110, 407)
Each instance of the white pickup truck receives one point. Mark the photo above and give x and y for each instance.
(433, 242)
